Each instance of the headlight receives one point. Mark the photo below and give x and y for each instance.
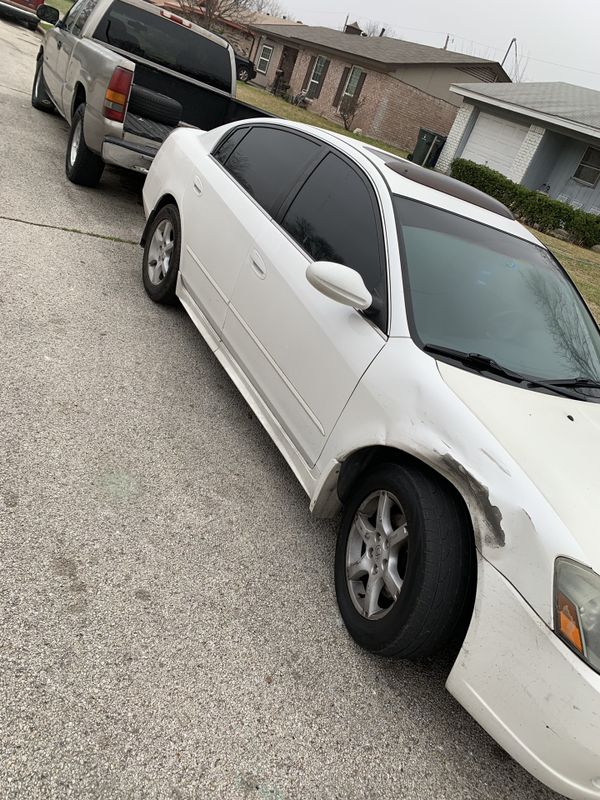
(577, 609)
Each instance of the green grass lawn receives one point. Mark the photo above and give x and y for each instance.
(582, 265)
(275, 105)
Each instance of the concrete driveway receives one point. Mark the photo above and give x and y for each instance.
(168, 624)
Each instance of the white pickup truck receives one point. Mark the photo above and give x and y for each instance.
(124, 74)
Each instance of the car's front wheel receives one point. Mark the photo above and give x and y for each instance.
(243, 74)
(404, 563)
(160, 263)
(82, 165)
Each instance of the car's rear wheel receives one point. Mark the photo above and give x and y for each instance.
(39, 94)
(82, 165)
(404, 563)
(160, 263)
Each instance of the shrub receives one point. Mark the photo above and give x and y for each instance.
(533, 208)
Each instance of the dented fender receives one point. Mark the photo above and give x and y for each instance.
(404, 402)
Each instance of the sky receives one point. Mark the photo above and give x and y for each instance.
(557, 40)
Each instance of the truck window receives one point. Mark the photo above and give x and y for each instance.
(166, 43)
(75, 24)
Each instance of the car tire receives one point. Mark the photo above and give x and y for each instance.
(404, 563)
(160, 263)
(40, 98)
(82, 166)
(243, 74)
(154, 106)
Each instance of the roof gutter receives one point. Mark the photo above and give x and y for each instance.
(551, 119)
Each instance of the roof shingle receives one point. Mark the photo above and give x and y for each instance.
(562, 100)
(381, 49)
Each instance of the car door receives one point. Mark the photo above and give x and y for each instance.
(304, 352)
(59, 46)
(230, 192)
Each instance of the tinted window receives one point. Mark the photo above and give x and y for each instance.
(334, 218)
(70, 17)
(480, 290)
(75, 24)
(167, 43)
(268, 162)
(226, 147)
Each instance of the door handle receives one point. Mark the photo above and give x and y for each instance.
(58, 44)
(198, 188)
(258, 265)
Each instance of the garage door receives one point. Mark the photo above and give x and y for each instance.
(494, 142)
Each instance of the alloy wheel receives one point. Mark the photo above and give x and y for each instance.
(160, 251)
(377, 555)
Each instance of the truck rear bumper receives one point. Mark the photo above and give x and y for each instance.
(18, 12)
(136, 157)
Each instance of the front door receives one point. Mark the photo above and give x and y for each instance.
(287, 64)
(304, 352)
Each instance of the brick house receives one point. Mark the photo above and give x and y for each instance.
(402, 86)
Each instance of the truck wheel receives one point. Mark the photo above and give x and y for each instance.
(243, 74)
(39, 93)
(404, 563)
(160, 263)
(154, 106)
(82, 166)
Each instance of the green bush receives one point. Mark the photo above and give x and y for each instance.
(531, 207)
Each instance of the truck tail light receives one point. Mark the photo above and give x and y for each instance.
(117, 94)
(175, 18)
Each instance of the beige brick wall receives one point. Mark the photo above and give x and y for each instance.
(392, 110)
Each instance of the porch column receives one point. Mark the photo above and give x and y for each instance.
(464, 121)
(527, 151)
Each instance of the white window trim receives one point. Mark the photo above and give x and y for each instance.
(261, 57)
(582, 163)
(345, 93)
(312, 76)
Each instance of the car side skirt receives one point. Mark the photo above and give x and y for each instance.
(246, 389)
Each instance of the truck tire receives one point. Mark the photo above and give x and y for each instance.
(154, 106)
(39, 94)
(82, 166)
(243, 74)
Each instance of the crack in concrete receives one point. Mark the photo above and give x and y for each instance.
(69, 230)
(12, 88)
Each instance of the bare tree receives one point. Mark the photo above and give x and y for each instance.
(374, 28)
(272, 7)
(349, 107)
(208, 12)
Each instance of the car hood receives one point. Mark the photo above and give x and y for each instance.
(555, 441)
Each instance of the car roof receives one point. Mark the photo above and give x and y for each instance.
(405, 186)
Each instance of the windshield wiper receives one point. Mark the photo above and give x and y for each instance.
(485, 363)
(576, 383)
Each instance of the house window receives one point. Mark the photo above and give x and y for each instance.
(316, 78)
(588, 171)
(352, 82)
(264, 59)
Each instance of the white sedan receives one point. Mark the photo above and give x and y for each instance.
(425, 366)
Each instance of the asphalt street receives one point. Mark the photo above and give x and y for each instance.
(168, 624)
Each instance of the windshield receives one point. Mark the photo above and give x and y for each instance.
(475, 289)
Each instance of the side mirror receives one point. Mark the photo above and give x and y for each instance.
(340, 283)
(48, 14)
